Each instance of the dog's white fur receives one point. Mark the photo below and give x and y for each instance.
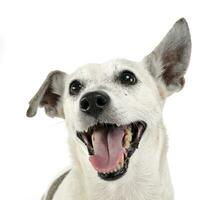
(148, 176)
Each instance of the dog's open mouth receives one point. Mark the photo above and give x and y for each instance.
(110, 147)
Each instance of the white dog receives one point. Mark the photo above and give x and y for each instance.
(113, 112)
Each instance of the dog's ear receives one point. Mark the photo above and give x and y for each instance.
(169, 60)
(49, 96)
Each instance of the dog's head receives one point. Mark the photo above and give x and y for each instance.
(109, 106)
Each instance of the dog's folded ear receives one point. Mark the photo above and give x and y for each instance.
(169, 60)
(49, 96)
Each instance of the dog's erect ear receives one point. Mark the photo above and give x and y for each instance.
(49, 96)
(169, 60)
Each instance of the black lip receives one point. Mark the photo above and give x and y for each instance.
(134, 145)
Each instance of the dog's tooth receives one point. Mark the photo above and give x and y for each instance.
(129, 134)
(115, 169)
(122, 159)
(126, 137)
(121, 163)
(118, 167)
(93, 138)
(129, 138)
(127, 144)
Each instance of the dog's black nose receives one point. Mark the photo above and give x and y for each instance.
(93, 103)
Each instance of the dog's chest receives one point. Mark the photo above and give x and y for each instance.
(126, 192)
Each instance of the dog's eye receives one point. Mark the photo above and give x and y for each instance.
(75, 87)
(127, 78)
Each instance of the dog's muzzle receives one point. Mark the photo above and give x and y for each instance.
(110, 147)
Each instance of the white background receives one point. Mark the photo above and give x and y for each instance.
(41, 35)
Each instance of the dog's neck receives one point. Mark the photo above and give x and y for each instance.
(146, 178)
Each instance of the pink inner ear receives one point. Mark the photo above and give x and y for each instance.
(171, 73)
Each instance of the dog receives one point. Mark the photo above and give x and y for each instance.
(113, 112)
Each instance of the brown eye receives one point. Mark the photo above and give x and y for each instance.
(127, 78)
(75, 87)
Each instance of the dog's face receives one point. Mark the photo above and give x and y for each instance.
(109, 106)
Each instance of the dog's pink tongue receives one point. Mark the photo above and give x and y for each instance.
(108, 149)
